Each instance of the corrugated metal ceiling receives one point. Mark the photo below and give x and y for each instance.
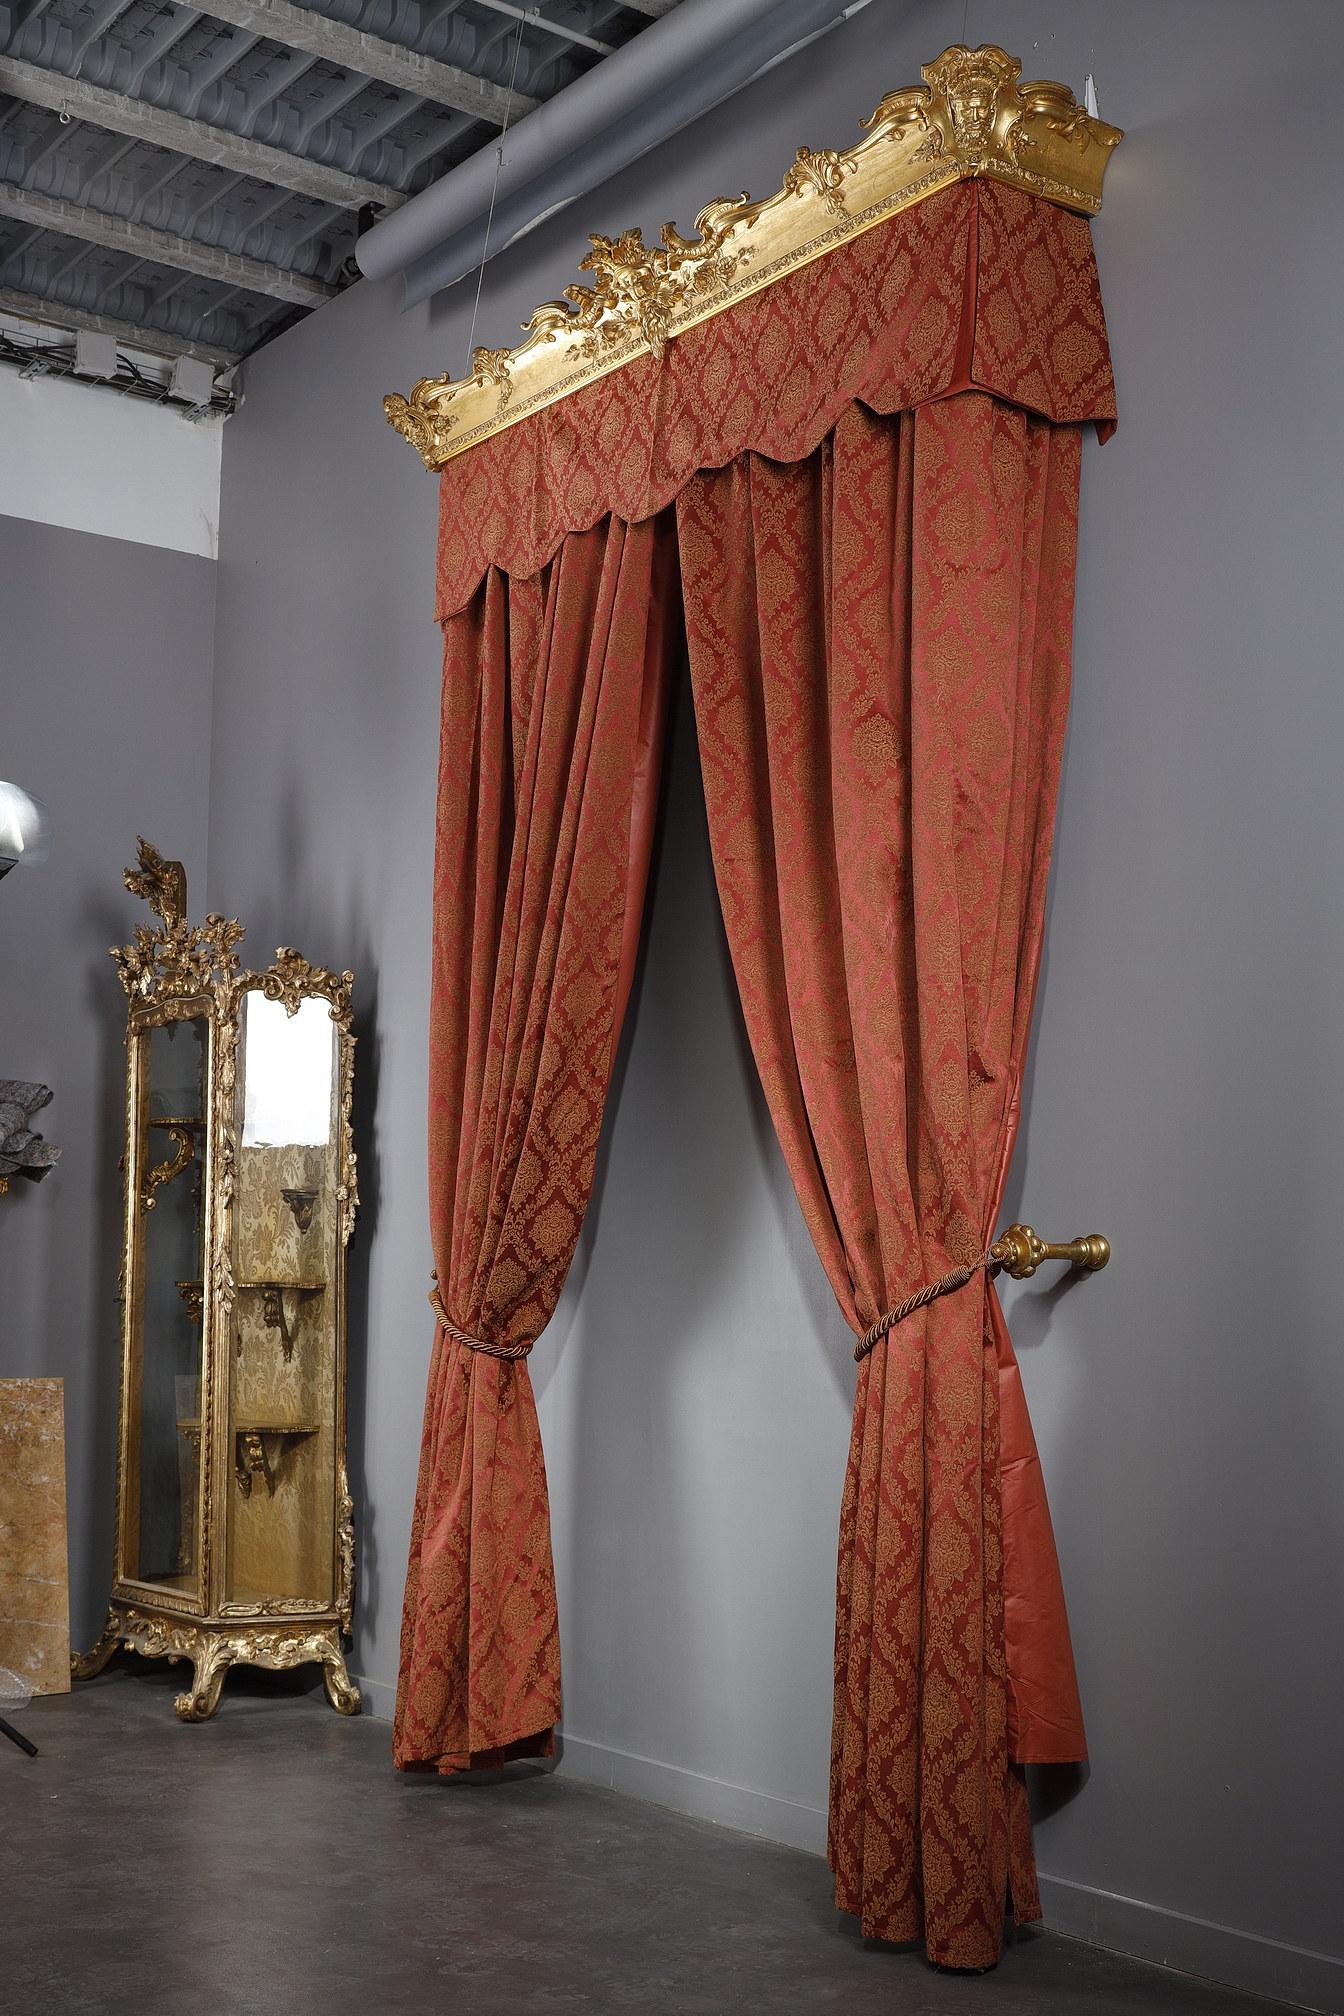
(191, 181)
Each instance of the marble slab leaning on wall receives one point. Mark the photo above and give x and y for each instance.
(34, 1579)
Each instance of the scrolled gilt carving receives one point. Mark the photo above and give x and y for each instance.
(277, 1606)
(639, 288)
(177, 958)
(162, 883)
(970, 117)
(347, 1190)
(345, 1550)
(212, 1651)
(291, 980)
(491, 367)
(823, 171)
(184, 1152)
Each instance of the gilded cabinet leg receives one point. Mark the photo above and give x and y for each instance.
(88, 1665)
(200, 1702)
(341, 1690)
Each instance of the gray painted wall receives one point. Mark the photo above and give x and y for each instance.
(105, 655)
(1185, 1093)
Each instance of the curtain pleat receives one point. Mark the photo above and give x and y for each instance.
(553, 701)
(879, 644)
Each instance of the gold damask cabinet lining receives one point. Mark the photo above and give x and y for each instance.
(234, 1520)
(970, 118)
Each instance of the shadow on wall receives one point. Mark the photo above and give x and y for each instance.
(1031, 1311)
(368, 1061)
(325, 915)
(699, 1171)
(104, 923)
(694, 1284)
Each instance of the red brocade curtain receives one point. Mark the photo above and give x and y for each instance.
(552, 709)
(874, 463)
(880, 648)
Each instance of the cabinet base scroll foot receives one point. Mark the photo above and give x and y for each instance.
(200, 1701)
(88, 1665)
(342, 1692)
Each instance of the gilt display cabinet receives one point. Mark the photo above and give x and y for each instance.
(234, 1523)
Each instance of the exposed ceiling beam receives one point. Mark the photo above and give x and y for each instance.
(117, 113)
(139, 241)
(655, 9)
(371, 55)
(532, 17)
(55, 315)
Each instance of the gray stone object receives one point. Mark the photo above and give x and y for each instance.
(23, 1152)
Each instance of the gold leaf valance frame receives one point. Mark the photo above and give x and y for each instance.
(970, 117)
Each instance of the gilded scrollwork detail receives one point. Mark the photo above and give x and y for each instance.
(213, 1649)
(161, 883)
(345, 1549)
(347, 1190)
(969, 117)
(183, 1138)
(820, 172)
(492, 367)
(177, 958)
(424, 418)
(88, 1665)
(291, 980)
(638, 288)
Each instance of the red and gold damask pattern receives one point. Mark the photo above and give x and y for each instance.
(552, 708)
(875, 489)
(880, 647)
(979, 284)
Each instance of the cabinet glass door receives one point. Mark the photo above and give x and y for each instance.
(282, 1364)
(167, 1251)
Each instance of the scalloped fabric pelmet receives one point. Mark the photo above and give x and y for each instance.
(980, 285)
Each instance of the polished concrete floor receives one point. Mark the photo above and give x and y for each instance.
(272, 1861)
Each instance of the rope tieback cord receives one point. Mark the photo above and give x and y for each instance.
(947, 1284)
(505, 1351)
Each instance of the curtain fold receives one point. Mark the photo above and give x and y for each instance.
(553, 703)
(880, 645)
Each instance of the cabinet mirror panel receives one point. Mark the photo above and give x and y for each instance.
(285, 1260)
(166, 1209)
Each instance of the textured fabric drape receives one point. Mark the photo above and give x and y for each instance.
(880, 649)
(552, 709)
(978, 286)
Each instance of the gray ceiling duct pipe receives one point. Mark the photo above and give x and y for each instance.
(690, 60)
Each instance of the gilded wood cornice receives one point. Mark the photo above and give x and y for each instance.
(970, 117)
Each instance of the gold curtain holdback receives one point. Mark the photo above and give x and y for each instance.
(506, 1351)
(1019, 1251)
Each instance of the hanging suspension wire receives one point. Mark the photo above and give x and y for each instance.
(533, 14)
